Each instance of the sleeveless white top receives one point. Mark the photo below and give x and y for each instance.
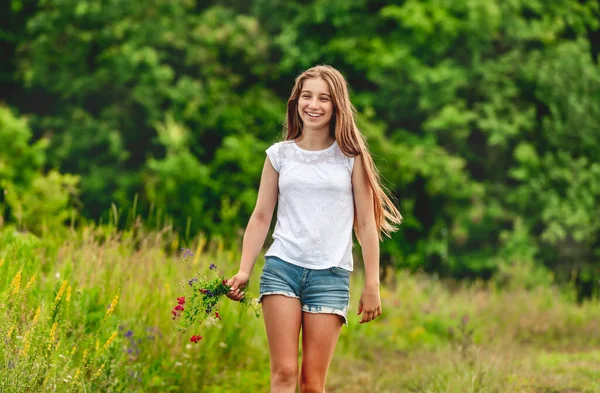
(315, 207)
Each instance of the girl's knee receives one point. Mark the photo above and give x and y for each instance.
(311, 386)
(285, 374)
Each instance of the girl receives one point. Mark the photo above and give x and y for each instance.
(325, 183)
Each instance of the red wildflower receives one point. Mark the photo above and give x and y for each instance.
(181, 300)
(218, 316)
(195, 339)
(179, 307)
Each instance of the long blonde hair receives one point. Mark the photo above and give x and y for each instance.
(343, 128)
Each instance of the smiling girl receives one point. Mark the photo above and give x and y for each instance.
(325, 184)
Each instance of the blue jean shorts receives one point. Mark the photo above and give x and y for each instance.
(324, 291)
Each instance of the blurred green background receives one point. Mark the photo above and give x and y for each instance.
(483, 117)
(129, 129)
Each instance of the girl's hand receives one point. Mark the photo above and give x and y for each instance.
(236, 285)
(369, 305)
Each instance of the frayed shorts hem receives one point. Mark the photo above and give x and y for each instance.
(306, 307)
(284, 293)
(326, 310)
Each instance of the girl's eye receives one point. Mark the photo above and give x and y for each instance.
(324, 99)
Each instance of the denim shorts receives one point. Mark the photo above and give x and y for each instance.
(324, 291)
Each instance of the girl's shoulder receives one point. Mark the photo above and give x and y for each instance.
(280, 147)
(277, 153)
(282, 143)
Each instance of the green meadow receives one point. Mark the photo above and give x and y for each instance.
(90, 312)
(130, 130)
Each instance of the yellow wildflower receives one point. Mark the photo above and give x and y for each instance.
(16, 283)
(37, 315)
(10, 331)
(57, 345)
(97, 374)
(76, 374)
(1, 262)
(73, 350)
(52, 333)
(110, 340)
(112, 306)
(60, 291)
(31, 280)
(97, 344)
(25, 348)
(84, 358)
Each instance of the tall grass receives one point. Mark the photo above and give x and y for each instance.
(90, 311)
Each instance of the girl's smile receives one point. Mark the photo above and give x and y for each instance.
(314, 104)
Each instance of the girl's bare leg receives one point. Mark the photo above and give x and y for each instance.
(320, 333)
(282, 316)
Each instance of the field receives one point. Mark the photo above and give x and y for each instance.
(89, 310)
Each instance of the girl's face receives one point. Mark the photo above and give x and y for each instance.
(315, 106)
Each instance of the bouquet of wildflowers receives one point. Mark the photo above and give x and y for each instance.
(202, 300)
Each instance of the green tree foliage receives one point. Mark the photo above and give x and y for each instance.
(117, 68)
(481, 115)
(34, 200)
(488, 114)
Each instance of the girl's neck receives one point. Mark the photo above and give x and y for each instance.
(314, 139)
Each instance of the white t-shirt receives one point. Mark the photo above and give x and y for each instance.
(315, 210)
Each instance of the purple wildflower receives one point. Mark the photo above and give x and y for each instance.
(192, 281)
(128, 334)
(213, 266)
(187, 253)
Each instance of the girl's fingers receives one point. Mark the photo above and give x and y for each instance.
(240, 295)
(235, 289)
(368, 316)
(365, 317)
(236, 286)
(235, 294)
(237, 298)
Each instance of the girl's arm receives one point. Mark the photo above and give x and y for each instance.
(257, 229)
(370, 302)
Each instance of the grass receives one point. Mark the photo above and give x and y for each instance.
(110, 329)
